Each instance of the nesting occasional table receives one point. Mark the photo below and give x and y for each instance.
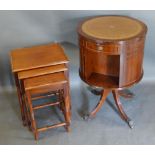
(44, 67)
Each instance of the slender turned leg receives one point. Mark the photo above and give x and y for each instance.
(120, 108)
(126, 93)
(33, 122)
(22, 109)
(67, 107)
(61, 100)
(67, 76)
(104, 95)
(27, 115)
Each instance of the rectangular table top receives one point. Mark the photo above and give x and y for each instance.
(37, 56)
(41, 71)
(45, 80)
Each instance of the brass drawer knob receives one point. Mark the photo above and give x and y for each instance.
(99, 48)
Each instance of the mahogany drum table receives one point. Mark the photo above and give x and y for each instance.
(111, 55)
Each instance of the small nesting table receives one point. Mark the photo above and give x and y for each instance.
(36, 59)
(111, 56)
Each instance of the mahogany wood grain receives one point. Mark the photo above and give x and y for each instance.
(41, 71)
(51, 127)
(50, 79)
(31, 113)
(104, 95)
(119, 105)
(111, 53)
(46, 105)
(40, 84)
(50, 94)
(42, 58)
(20, 99)
(37, 56)
(36, 61)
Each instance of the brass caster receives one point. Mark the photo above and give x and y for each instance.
(86, 117)
(68, 129)
(130, 123)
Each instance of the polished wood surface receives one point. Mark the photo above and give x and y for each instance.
(37, 56)
(111, 55)
(104, 95)
(46, 80)
(55, 83)
(41, 71)
(34, 62)
(121, 60)
(103, 80)
(46, 105)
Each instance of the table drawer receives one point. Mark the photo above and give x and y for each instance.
(106, 48)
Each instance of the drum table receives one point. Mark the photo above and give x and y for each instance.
(111, 56)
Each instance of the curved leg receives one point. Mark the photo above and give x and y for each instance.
(126, 93)
(104, 95)
(120, 108)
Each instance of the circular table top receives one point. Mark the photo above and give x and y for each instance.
(112, 27)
